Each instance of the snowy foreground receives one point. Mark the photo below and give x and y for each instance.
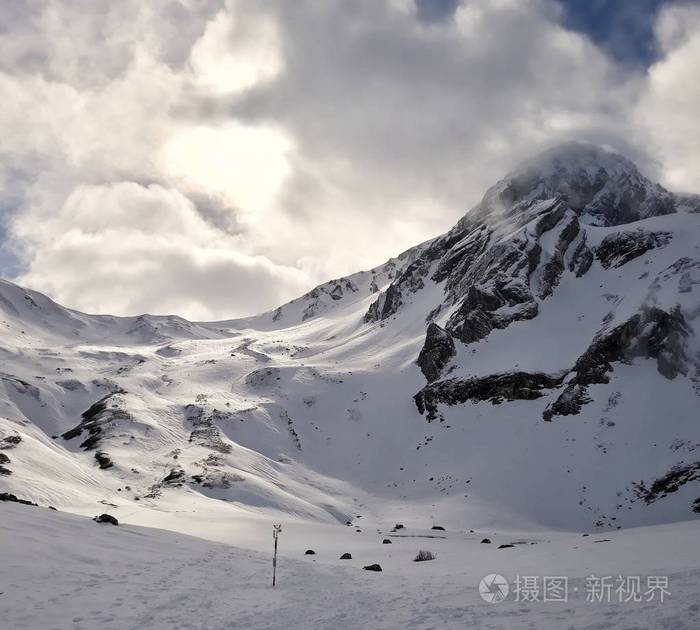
(64, 571)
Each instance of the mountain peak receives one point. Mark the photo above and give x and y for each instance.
(601, 186)
(576, 156)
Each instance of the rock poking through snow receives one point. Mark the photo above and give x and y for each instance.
(438, 349)
(106, 518)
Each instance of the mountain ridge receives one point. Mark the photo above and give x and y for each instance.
(539, 171)
(535, 364)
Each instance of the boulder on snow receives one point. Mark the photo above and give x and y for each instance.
(309, 552)
(346, 556)
(486, 541)
(4, 459)
(106, 518)
(386, 541)
(398, 526)
(103, 460)
(175, 477)
(438, 527)
(372, 567)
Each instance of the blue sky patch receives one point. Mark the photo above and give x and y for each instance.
(623, 28)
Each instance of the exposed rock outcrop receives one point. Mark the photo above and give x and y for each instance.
(264, 377)
(495, 389)
(217, 479)
(438, 349)
(6, 496)
(97, 418)
(10, 441)
(4, 459)
(206, 431)
(620, 248)
(652, 333)
(582, 258)
(175, 477)
(671, 482)
(553, 268)
(103, 460)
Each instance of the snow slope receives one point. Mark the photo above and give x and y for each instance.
(66, 572)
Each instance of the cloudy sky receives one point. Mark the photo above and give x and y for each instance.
(214, 158)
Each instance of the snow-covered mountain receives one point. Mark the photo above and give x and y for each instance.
(537, 365)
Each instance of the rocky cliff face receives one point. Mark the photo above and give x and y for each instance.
(487, 260)
(559, 214)
(438, 349)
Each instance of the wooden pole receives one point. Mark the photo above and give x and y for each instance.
(274, 565)
(276, 529)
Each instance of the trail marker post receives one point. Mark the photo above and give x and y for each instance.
(276, 530)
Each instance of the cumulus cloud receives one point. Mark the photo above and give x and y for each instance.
(236, 51)
(669, 109)
(401, 124)
(216, 157)
(91, 117)
(106, 240)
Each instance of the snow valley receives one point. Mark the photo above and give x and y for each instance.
(531, 376)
